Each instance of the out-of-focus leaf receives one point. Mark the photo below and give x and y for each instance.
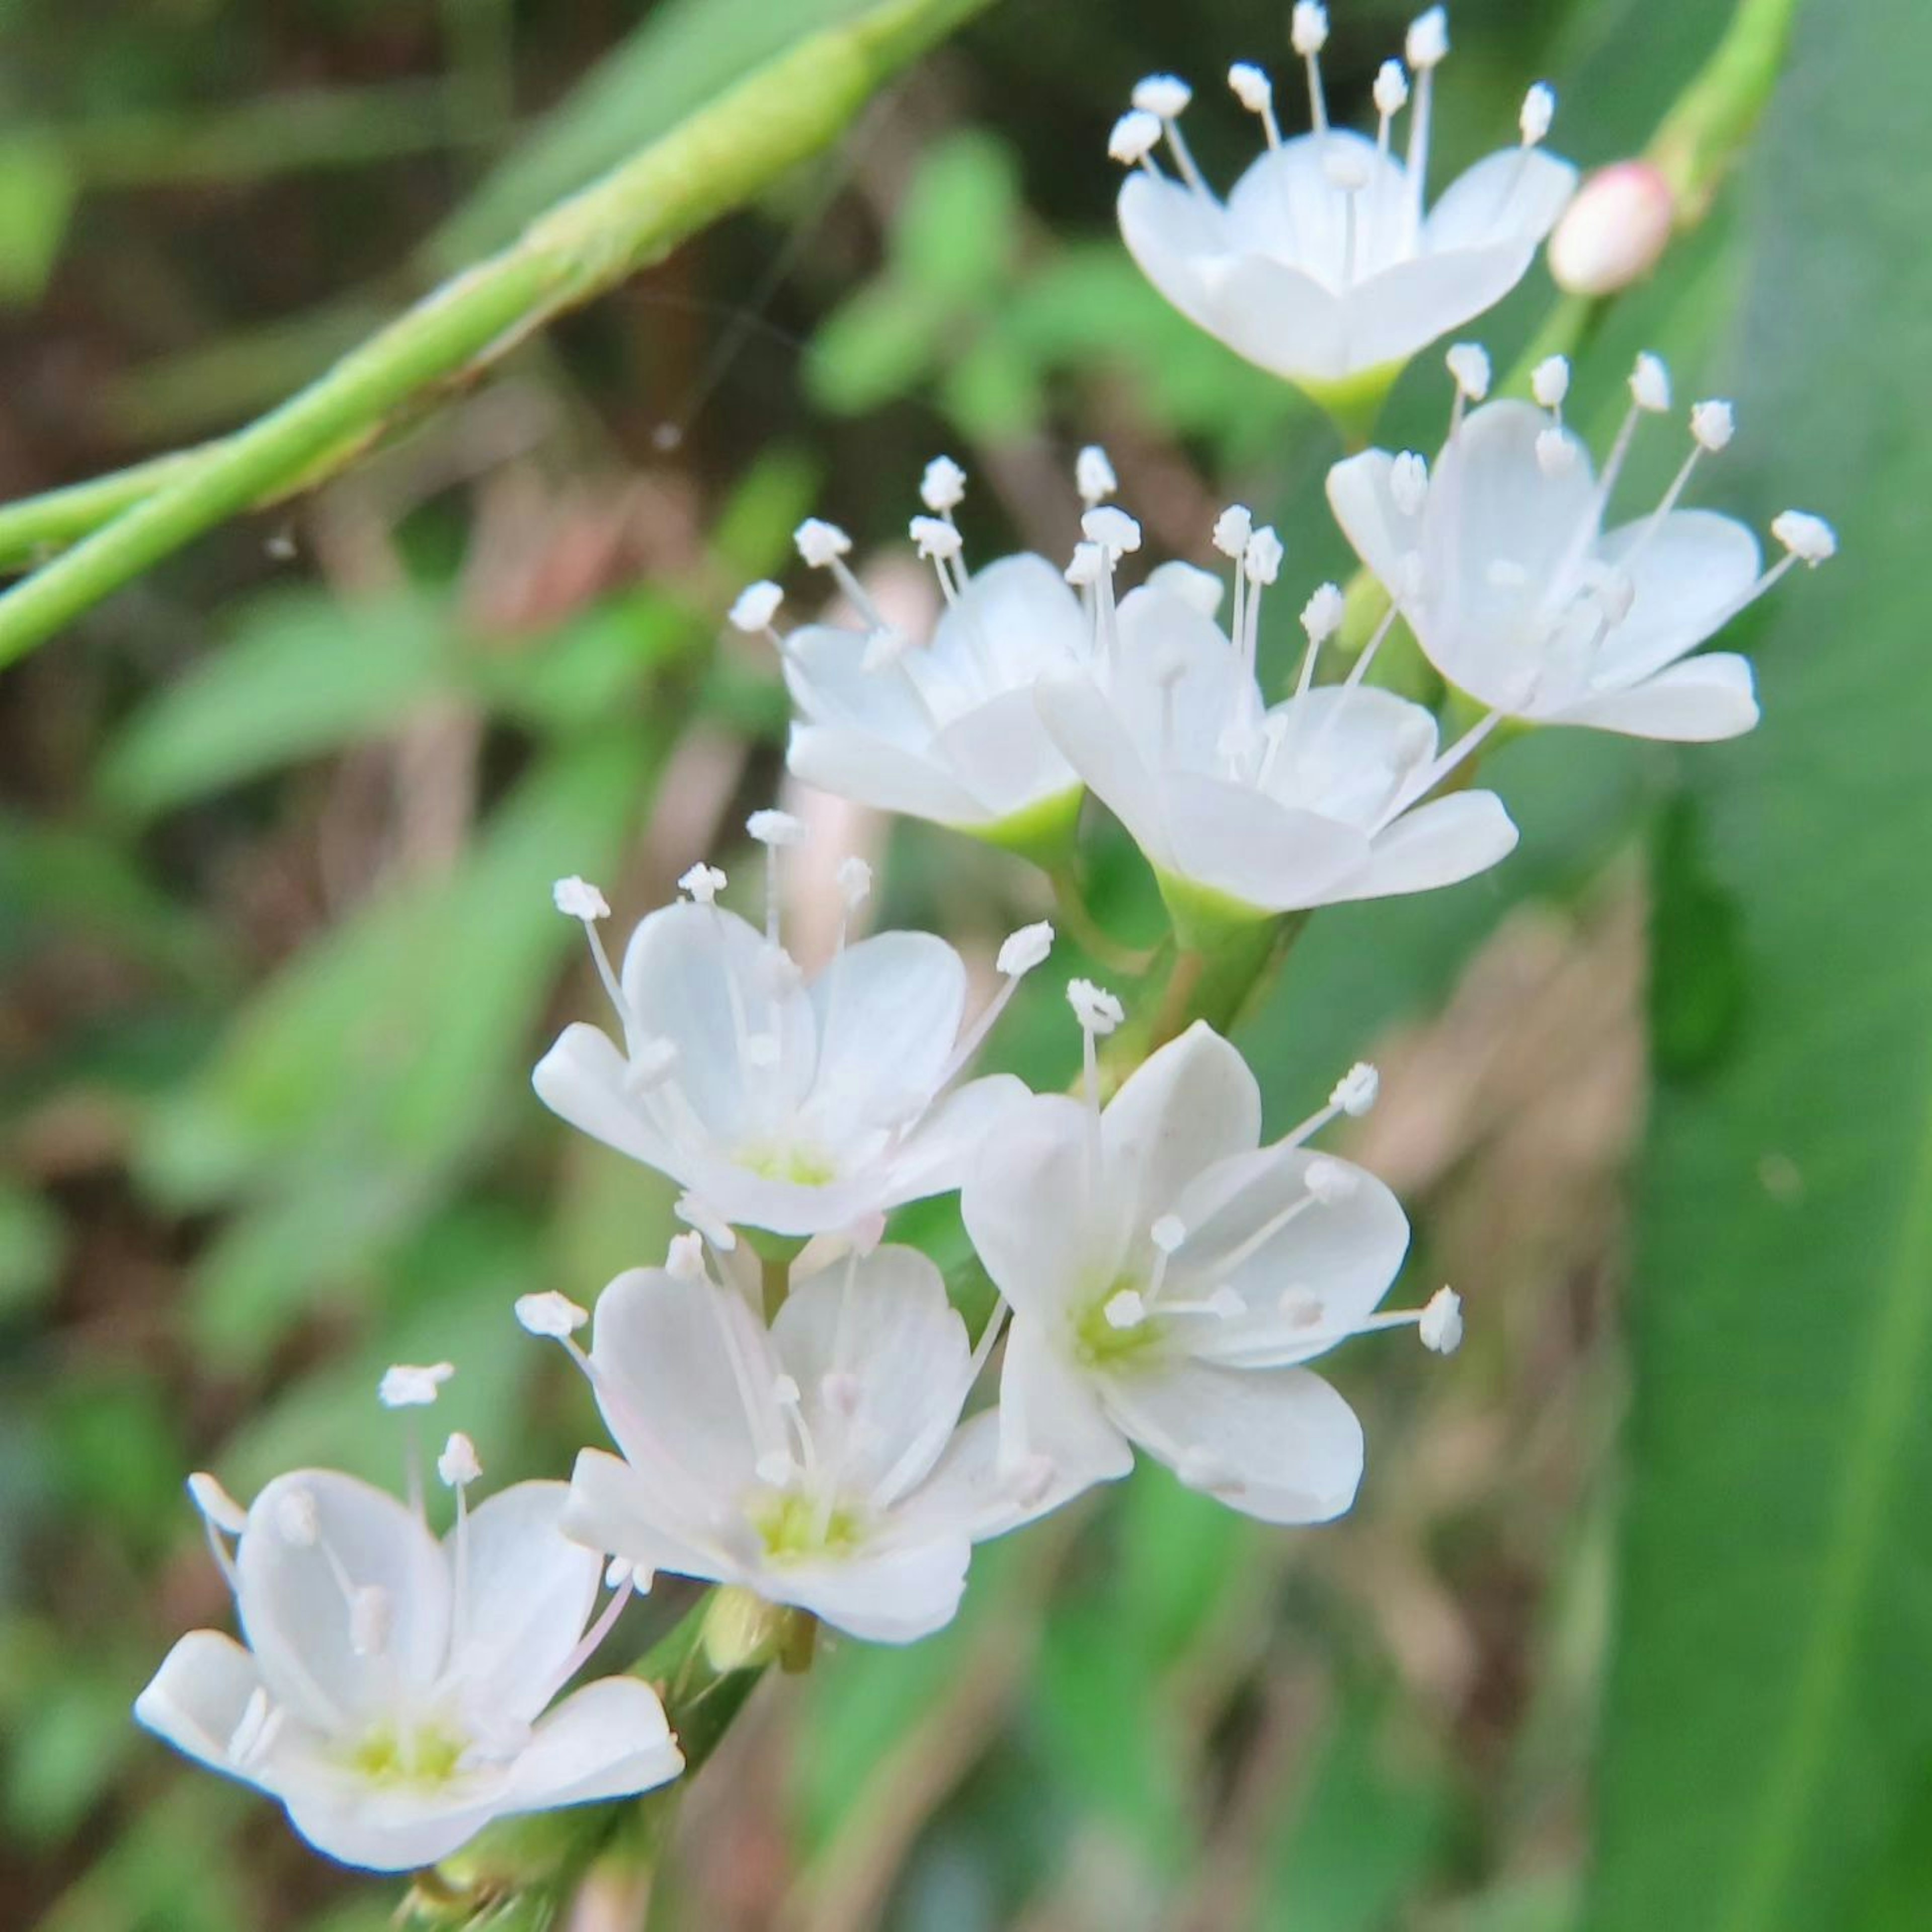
(31, 1244)
(592, 669)
(37, 192)
(992, 392)
(1698, 984)
(65, 1745)
(303, 674)
(874, 349)
(1181, 1553)
(956, 229)
(1769, 1721)
(1363, 1832)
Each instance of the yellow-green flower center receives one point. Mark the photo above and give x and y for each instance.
(425, 1756)
(791, 1527)
(1099, 1342)
(803, 1166)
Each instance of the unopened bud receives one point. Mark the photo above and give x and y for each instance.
(1613, 233)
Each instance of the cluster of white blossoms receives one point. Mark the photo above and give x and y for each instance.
(795, 1407)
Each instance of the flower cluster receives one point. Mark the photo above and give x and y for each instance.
(794, 1407)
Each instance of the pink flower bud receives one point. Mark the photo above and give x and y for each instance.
(1613, 233)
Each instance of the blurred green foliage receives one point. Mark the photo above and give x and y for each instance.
(277, 951)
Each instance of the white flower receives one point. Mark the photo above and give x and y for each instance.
(1322, 265)
(395, 1694)
(1312, 802)
(1170, 1276)
(1521, 597)
(821, 1463)
(801, 1109)
(944, 729)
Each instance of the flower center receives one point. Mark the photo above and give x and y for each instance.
(1115, 1327)
(425, 1757)
(794, 1525)
(803, 1165)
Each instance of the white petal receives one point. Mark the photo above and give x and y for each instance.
(974, 1488)
(614, 1509)
(581, 1080)
(1346, 751)
(1018, 617)
(294, 1612)
(198, 1697)
(1002, 755)
(1364, 505)
(1278, 1444)
(896, 1597)
(887, 776)
(1176, 680)
(526, 1592)
(1512, 196)
(1026, 1207)
(1170, 232)
(1280, 318)
(1437, 844)
(1241, 842)
(703, 979)
(888, 1012)
(608, 1740)
(1703, 698)
(937, 1155)
(1192, 1103)
(1689, 576)
(826, 668)
(1050, 1410)
(883, 1324)
(1286, 206)
(1084, 724)
(393, 1829)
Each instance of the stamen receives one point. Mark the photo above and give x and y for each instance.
(1308, 34)
(1423, 781)
(406, 1386)
(1125, 1310)
(757, 603)
(774, 830)
(1255, 92)
(1099, 1013)
(1019, 953)
(1094, 476)
(824, 547)
(1261, 565)
(1469, 367)
(1549, 383)
(1321, 619)
(1426, 47)
(704, 883)
(1233, 528)
(623, 1579)
(1808, 539)
(1538, 112)
(579, 899)
(1345, 170)
(942, 489)
(1650, 385)
(1441, 1322)
(1391, 97)
(1165, 97)
(1408, 482)
(1135, 136)
(554, 1316)
(939, 543)
(1168, 1233)
(684, 1259)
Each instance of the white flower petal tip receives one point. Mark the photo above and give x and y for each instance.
(459, 1466)
(1022, 951)
(408, 1385)
(1096, 1009)
(397, 1693)
(578, 898)
(1522, 596)
(1809, 538)
(1614, 232)
(757, 605)
(554, 1316)
(943, 486)
(1440, 1325)
(1325, 264)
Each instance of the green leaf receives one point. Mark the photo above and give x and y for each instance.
(303, 674)
(37, 196)
(874, 349)
(958, 226)
(1768, 1720)
(32, 1245)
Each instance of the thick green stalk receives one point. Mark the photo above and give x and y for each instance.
(713, 162)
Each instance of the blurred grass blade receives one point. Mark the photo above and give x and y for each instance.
(1768, 1724)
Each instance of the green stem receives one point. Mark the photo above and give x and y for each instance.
(724, 154)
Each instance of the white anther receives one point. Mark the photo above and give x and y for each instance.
(707, 1221)
(1125, 1310)
(1096, 1009)
(1087, 566)
(459, 1464)
(1441, 1327)
(1136, 135)
(550, 1314)
(1549, 382)
(821, 543)
(936, 538)
(854, 878)
(944, 485)
(1094, 475)
(1232, 528)
(684, 1260)
(1164, 94)
(841, 1391)
(1322, 615)
(1713, 425)
(784, 1391)
(1168, 1233)
(1330, 1181)
(757, 603)
(1556, 452)
(1408, 482)
(776, 828)
(407, 1385)
(704, 883)
(1650, 384)
(1308, 28)
(371, 1616)
(1199, 589)
(1809, 538)
(1469, 364)
(1113, 530)
(578, 898)
(1426, 43)
(774, 1468)
(216, 1505)
(1022, 951)
(1252, 87)
(1227, 1303)
(1539, 111)
(1355, 1092)
(1260, 562)
(1391, 89)
(1345, 168)
(296, 1518)
(618, 1572)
